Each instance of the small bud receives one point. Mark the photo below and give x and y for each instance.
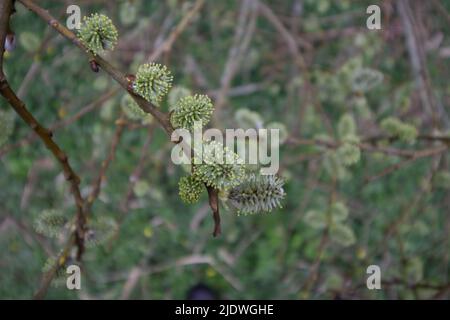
(94, 66)
(130, 78)
(10, 42)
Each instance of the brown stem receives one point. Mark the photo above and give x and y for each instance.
(97, 184)
(120, 78)
(6, 8)
(214, 204)
(46, 137)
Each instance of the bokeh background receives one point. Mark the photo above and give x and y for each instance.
(311, 67)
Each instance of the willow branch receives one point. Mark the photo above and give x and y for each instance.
(96, 187)
(214, 204)
(31, 137)
(117, 75)
(6, 8)
(46, 136)
(59, 261)
(122, 80)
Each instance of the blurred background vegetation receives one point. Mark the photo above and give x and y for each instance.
(312, 67)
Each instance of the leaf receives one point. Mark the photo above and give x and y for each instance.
(342, 234)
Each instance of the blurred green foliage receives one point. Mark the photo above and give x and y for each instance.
(332, 221)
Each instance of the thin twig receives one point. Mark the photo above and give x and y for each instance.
(96, 187)
(46, 137)
(166, 46)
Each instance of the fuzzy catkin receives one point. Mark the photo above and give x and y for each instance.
(50, 223)
(152, 82)
(395, 127)
(98, 33)
(258, 193)
(190, 189)
(191, 109)
(218, 167)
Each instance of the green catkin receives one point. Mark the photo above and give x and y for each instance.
(190, 189)
(339, 211)
(100, 231)
(218, 167)
(152, 82)
(191, 109)
(50, 223)
(348, 153)
(342, 234)
(365, 79)
(258, 193)
(403, 131)
(98, 33)
(346, 126)
(60, 277)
